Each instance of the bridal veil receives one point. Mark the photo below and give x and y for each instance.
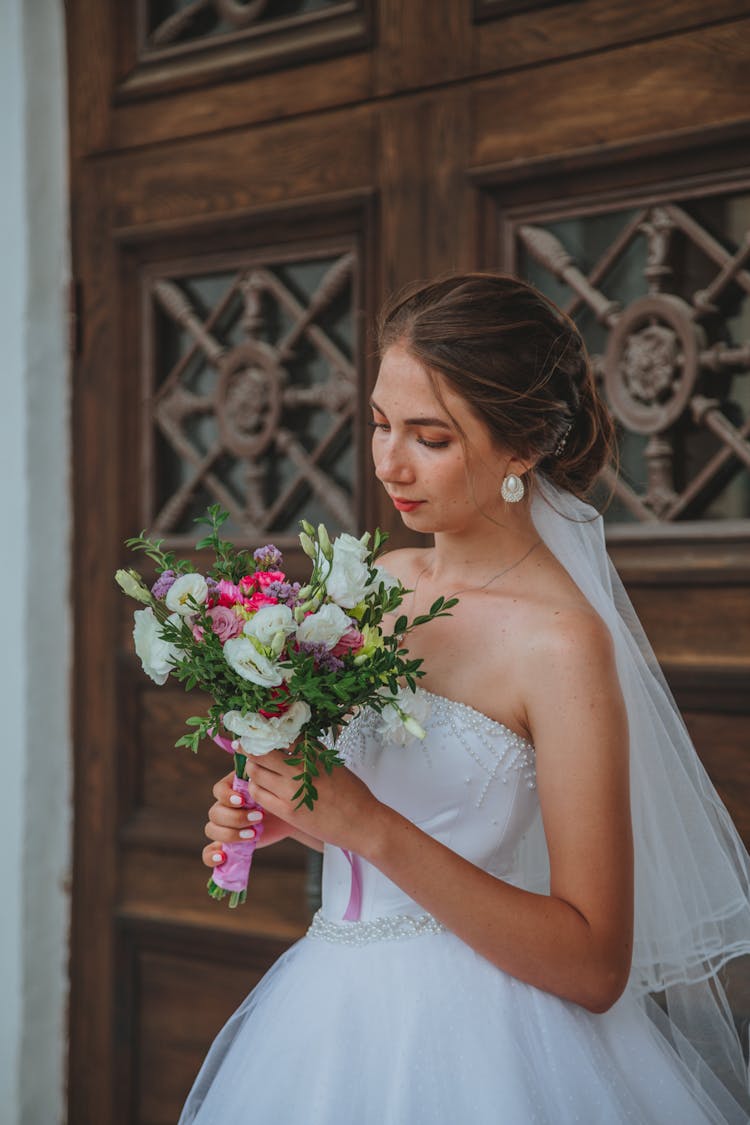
(692, 875)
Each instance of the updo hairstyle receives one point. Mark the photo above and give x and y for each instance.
(519, 363)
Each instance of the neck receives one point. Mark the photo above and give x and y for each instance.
(481, 549)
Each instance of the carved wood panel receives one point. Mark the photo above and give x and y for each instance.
(489, 9)
(252, 390)
(172, 44)
(660, 290)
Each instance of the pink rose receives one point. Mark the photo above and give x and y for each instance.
(257, 601)
(228, 593)
(224, 622)
(349, 641)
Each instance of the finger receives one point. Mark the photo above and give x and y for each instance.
(276, 795)
(228, 835)
(273, 762)
(223, 791)
(233, 818)
(213, 856)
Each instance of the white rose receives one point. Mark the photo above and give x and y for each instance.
(187, 586)
(401, 720)
(268, 622)
(241, 654)
(326, 627)
(347, 582)
(258, 735)
(157, 656)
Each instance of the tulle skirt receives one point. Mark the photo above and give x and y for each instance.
(423, 1031)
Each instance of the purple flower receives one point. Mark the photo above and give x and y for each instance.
(268, 557)
(286, 592)
(163, 584)
(324, 659)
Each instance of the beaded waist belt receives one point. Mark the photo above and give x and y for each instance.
(391, 927)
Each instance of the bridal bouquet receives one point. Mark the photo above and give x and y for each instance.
(283, 664)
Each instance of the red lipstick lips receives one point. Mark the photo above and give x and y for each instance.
(405, 505)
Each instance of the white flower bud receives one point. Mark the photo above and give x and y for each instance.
(307, 545)
(325, 542)
(131, 583)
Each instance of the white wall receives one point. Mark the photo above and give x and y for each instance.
(35, 654)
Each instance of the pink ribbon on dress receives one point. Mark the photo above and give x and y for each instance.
(353, 911)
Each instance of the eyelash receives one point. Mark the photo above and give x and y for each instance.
(422, 441)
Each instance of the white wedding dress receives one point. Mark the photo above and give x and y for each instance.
(392, 1020)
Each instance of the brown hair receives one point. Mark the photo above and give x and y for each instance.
(517, 360)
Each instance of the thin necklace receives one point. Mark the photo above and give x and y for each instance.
(477, 589)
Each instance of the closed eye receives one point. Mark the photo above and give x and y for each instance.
(422, 441)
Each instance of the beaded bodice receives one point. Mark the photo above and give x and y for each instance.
(471, 783)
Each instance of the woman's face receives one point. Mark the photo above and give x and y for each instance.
(439, 482)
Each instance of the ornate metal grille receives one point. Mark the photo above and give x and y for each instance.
(661, 294)
(168, 23)
(252, 397)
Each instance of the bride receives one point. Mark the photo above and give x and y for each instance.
(527, 916)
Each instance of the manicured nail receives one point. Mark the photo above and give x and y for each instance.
(235, 799)
(247, 833)
(255, 815)
(217, 857)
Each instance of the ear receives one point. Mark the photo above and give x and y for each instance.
(517, 466)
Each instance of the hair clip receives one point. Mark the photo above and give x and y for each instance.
(559, 448)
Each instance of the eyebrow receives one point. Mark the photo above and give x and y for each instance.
(440, 422)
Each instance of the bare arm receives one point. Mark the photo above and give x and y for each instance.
(575, 942)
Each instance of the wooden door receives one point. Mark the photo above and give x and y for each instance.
(262, 173)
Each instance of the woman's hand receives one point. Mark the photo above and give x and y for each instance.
(344, 813)
(227, 818)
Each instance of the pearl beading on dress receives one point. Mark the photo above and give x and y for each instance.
(390, 927)
(517, 755)
(506, 755)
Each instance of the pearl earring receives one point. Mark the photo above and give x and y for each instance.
(512, 489)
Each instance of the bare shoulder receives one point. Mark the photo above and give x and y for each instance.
(570, 674)
(571, 632)
(406, 564)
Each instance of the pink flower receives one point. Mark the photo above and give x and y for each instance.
(350, 641)
(257, 601)
(261, 579)
(224, 622)
(228, 593)
(197, 631)
(264, 578)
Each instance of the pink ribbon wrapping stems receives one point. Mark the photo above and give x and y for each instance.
(233, 873)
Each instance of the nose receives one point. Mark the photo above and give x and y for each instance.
(392, 465)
